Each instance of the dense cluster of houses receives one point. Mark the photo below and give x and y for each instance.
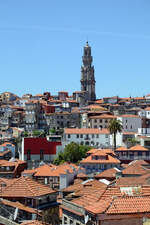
(106, 187)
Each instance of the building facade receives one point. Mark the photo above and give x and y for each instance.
(87, 74)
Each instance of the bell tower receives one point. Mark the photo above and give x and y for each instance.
(87, 74)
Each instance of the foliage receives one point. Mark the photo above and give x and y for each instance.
(73, 152)
(132, 140)
(114, 127)
(36, 133)
(52, 131)
(25, 134)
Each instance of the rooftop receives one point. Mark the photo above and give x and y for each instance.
(85, 131)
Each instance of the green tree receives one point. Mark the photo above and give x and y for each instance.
(73, 152)
(37, 133)
(25, 134)
(114, 127)
(52, 131)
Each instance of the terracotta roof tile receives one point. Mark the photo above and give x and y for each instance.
(129, 116)
(131, 181)
(19, 206)
(81, 175)
(103, 116)
(99, 207)
(32, 222)
(124, 205)
(25, 187)
(106, 160)
(93, 150)
(7, 143)
(85, 131)
(138, 148)
(121, 149)
(53, 171)
(136, 167)
(147, 109)
(109, 173)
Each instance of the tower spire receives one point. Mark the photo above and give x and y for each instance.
(87, 74)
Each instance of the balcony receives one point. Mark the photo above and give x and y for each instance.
(134, 157)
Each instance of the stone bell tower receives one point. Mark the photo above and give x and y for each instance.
(87, 74)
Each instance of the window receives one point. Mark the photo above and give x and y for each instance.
(100, 121)
(131, 127)
(106, 135)
(41, 154)
(95, 126)
(77, 136)
(97, 135)
(106, 121)
(71, 221)
(92, 135)
(126, 127)
(28, 154)
(68, 135)
(81, 135)
(95, 121)
(139, 153)
(65, 220)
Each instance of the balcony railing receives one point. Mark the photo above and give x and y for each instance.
(134, 157)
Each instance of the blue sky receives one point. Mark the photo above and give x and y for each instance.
(41, 45)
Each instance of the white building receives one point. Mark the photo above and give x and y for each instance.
(87, 136)
(145, 113)
(130, 123)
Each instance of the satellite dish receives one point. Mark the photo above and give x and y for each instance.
(15, 214)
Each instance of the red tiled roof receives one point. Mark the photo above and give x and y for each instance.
(132, 181)
(25, 187)
(128, 133)
(44, 170)
(33, 222)
(83, 188)
(129, 116)
(109, 159)
(19, 206)
(99, 101)
(81, 175)
(7, 143)
(134, 204)
(53, 171)
(121, 149)
(99, 207)
(93, 150)
(133, 148)
(147, 109)
(85, 131)
(138, 148)
(103, 116)
(109, 173)
(136, 167)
